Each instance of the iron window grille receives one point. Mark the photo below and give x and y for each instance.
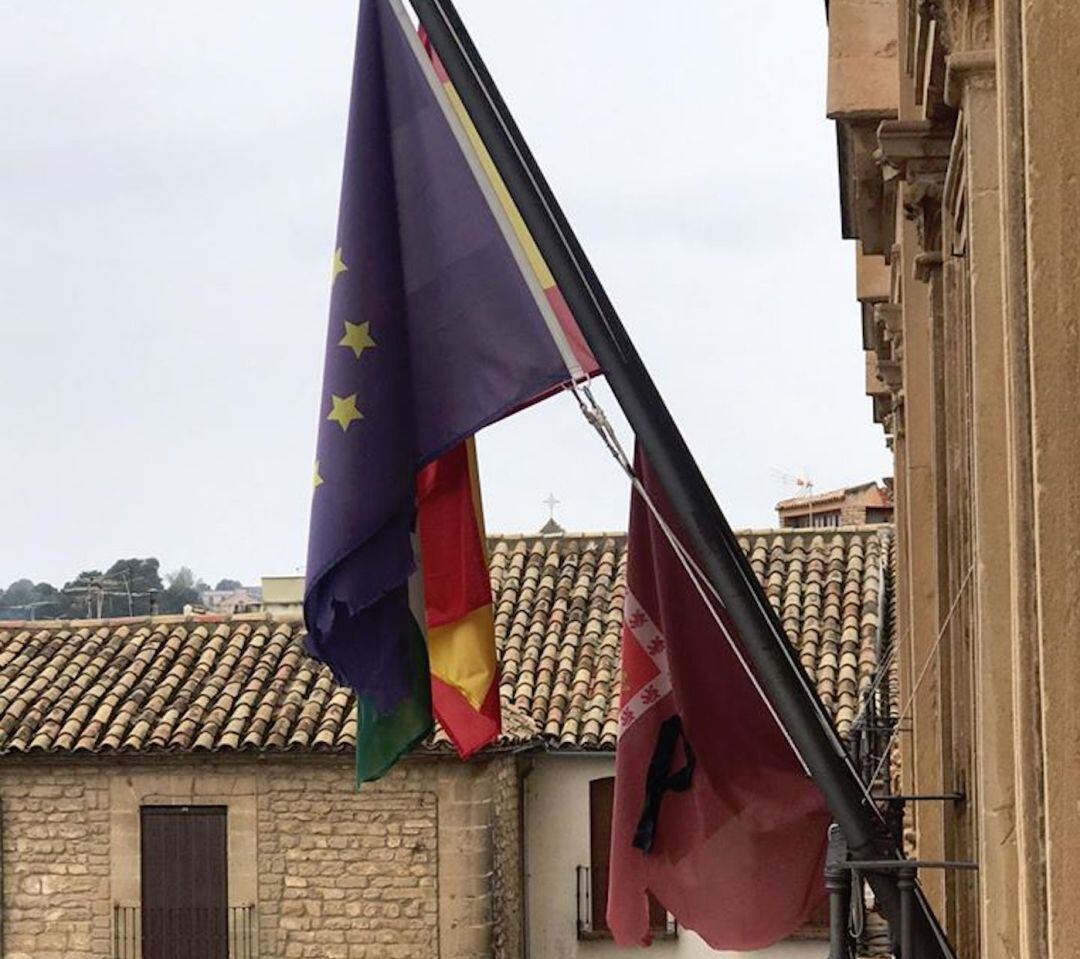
(590, 922)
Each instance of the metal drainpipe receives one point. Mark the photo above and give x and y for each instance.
(2, 926)
(885, 637)
(906, 884)
(838, 883)
(523, 832)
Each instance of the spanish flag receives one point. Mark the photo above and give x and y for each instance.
(457, 601)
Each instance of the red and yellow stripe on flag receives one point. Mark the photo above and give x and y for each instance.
(586, 362)
(457, 598)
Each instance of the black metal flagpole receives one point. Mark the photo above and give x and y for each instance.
(723, 562)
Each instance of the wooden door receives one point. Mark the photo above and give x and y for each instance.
(601, 807)
(185, 895)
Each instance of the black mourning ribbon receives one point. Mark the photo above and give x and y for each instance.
(660, 779)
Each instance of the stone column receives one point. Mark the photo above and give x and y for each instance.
(1026, 658)
(972, 88)
(466, 861)
(921, 572)
(915, 155)
(905, 654)
(1051, 77)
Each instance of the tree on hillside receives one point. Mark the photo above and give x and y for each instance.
(228, 585)
(24, 599)
(19, 593)
(129, 587)
(182, 590)
(143, 574)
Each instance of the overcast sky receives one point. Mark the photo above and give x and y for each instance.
(168, 194)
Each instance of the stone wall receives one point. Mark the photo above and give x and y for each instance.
(852, 513)
(424, 863)
(56, 863)
(345, 874)
(509, 931)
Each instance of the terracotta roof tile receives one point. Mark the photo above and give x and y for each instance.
(244, 683)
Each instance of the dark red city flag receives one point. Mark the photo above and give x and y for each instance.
(714, 814)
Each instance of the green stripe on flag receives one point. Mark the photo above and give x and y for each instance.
(383, 738)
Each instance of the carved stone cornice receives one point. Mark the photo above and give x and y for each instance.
(861, 187)
(893, 423)
(968, 24)
(960, 24)
(916, 153)
(896, 278)
(882, 407)
(926, 264)
(966, 66)
(891, 373)
(890, 316)
(902, 142)
(898, 425)
(888, 359)
(922, 205)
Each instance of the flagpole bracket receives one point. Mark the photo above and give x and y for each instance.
(924, 797)
(899, 865)
(838, 883)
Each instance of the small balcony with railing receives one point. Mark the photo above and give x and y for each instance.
(592, 886)
(184, 933)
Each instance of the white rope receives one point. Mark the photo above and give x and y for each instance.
(596, 416)
(883, 672)
(922, 674)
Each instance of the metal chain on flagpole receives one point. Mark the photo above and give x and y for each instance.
(595, 415)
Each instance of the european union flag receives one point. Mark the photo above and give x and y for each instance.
(441, 322)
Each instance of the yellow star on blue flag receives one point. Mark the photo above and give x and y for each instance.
(344, 412)
(357, 338)
(337, 267)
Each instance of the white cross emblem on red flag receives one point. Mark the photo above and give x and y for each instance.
(646, 676)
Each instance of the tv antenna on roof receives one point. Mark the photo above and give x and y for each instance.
(803, 484)
(801, 481)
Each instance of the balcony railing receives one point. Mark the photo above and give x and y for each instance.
(662, 923)
(184, 933)
(584, 901)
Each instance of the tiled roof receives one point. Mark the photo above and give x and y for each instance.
(244, 683)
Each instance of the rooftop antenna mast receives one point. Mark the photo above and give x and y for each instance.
(98, 587)
(800, 481)
(33, 607)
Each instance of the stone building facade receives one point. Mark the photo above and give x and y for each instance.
(329, 872)
(959, 154)
(104, 722)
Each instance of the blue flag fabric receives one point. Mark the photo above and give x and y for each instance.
(435, 331)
